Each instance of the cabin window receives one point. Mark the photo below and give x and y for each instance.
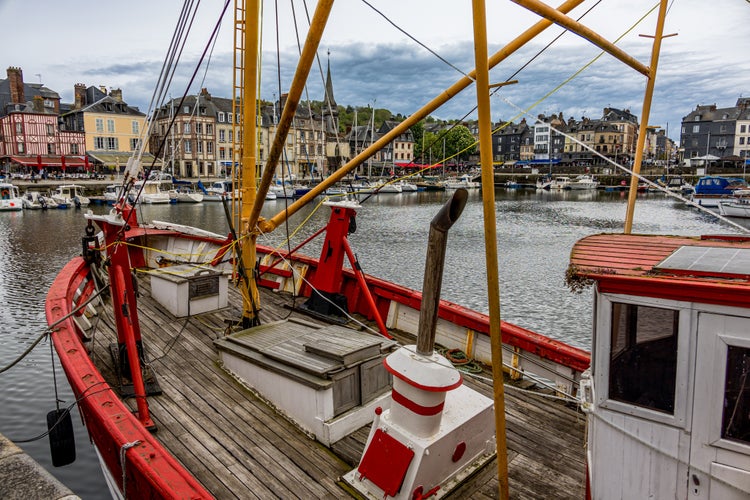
(643, 356)
(736, 418)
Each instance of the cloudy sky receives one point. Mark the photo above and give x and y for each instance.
(123, 45)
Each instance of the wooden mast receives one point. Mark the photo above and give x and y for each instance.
(490, 238)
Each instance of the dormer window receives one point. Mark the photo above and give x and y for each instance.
(697, 118)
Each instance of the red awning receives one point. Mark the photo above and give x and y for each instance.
(416, 165)
(51, 161)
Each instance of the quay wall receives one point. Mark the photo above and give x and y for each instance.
(22, 477)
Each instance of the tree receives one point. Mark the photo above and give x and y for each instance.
(460, 143)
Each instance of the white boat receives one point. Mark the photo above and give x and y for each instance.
(10, 199)
(464, 182)
(408, 187)
(70, 195)
(35, 200)
(387, 187)
(583, 182)
(186, 194)
(285, 190)
(336, 191)
(111, 193)
(218, 190)
(149, 192)
(738, 207)
(558, 183)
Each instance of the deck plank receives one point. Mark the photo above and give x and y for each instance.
(239, 447)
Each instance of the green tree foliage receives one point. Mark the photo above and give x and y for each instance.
(452, 144)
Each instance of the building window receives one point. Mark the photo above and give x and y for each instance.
(134, 127)
(50, 129)
(48, 103)
(199, 145)
(222, 135)
(19, 147)
(112, 143)
(643, 356)
(188, 147)
(111, 126)
(134, 144)
(186, 128)
(742, 129)
(98, 142)
(186, 110)
(210, 147)
(229, 117)
(222, 153)
(221, 117)
(198, 128)
(99, 125)
(74, 149)
(209, 128)
(696, 129)
(51, 149)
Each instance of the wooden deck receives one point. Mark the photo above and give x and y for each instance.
(239, 447)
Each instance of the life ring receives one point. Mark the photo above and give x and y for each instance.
(5, 194)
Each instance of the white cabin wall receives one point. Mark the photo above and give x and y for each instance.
(625, 466)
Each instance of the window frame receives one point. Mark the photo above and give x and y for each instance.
(603, 344)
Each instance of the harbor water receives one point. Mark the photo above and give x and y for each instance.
(536, 230)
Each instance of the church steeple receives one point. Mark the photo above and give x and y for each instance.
(330, 108)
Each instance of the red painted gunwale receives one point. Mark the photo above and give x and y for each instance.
(152, 472)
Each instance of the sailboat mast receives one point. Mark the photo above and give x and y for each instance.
(490, 238)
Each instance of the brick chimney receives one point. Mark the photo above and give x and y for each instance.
(205, 94)
(38, 104)
(116, 94)
(15, 81)
(79, 91)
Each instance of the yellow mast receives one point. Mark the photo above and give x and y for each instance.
(490, 238)
(247, 19)
(656, 48)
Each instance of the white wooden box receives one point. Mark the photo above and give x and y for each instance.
(188, 289)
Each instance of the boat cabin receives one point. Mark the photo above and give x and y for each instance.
(668, 393)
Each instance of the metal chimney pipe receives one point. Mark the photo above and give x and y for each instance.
(433, 269)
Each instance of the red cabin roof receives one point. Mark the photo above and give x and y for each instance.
(710, 269)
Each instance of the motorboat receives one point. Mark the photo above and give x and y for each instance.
(218, 190)
(465, 181)
(35, 200)
(185, 194)
(582, 182)
(111, 193)
(70, 195)
(407, 187)
(10, 199)
(738, 206)
(711, 189)
(149, 192)
(557, 183)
